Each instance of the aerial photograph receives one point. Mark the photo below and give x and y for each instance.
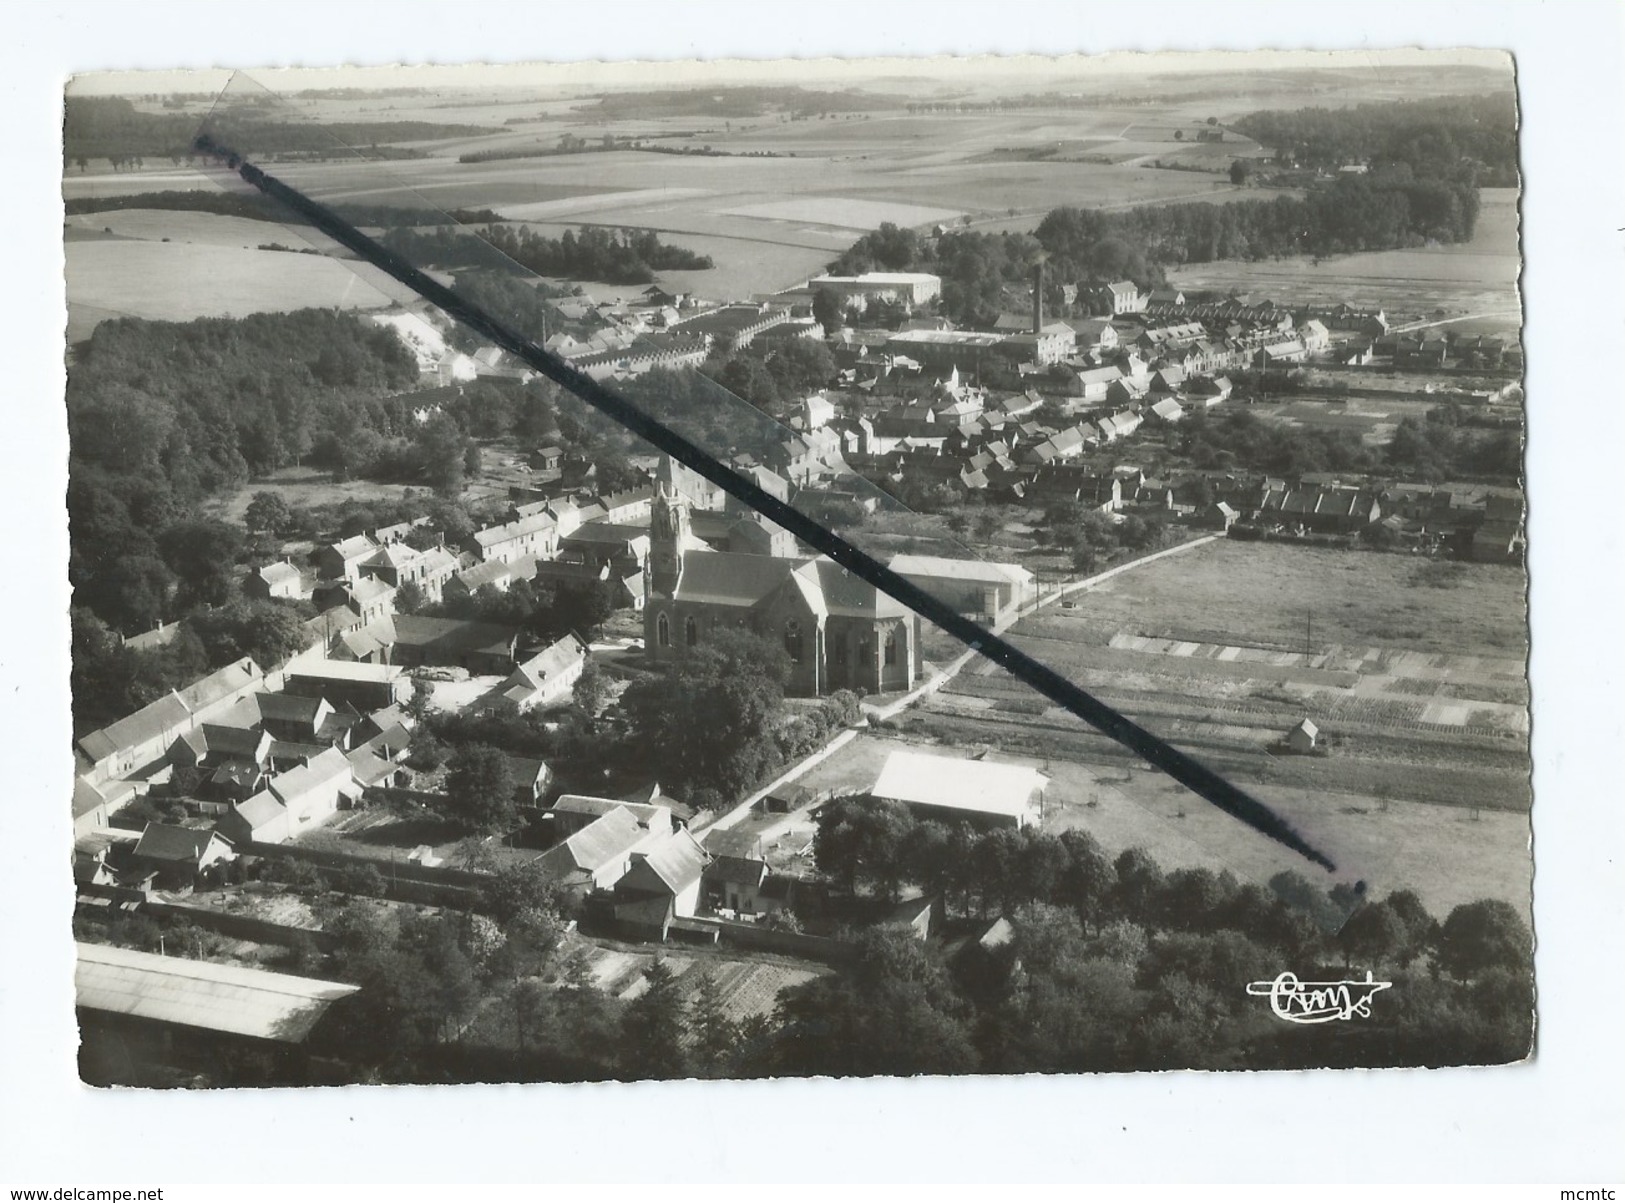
(740, 570)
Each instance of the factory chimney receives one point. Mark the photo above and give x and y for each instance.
(1038, 297)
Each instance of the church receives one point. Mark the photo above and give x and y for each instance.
(839, 631)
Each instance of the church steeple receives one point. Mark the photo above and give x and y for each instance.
(668, 537)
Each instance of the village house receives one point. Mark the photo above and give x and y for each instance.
(181, 857)
(368, 598)
(303, 798)
(140, 741)
(1118, 297)
(342, 560)
(545, 680)
(396, 564)
(1093, 334)
(494, 574)
(622, 549)
(277, 579)
(366, 687)
(596, 854)
(734, 875)
(661, 886)
(534, 535)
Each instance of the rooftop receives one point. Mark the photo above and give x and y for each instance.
(954, 784)
(202, 994)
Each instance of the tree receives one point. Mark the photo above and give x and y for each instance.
(1179, 135)
(203, 554)
(653, 1028)
(269, 512)
(1484, 935)
(1240, 169)
(440, 446)
(418, 706)
(591, 688)
(826, 309)
(480, 789)
(1374, 935)
(897, 1012)
(516, 890)
(715, 1035)
(736, 680)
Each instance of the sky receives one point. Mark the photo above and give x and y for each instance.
(1024, 72)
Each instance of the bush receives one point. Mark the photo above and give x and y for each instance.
(364, 879)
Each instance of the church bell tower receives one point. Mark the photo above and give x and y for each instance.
(668, 536)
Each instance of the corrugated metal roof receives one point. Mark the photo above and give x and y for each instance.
(202, 994)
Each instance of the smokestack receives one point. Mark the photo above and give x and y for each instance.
(1038, 297)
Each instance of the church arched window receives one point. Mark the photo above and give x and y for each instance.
(792, 640)
(691, 631)
(891, 646)
(663, 631)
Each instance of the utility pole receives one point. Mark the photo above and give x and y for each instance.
(1309, 634)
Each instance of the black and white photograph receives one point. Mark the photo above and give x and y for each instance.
(435, 727)
(742, 570)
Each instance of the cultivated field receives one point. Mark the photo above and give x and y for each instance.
(1477, 279)
(774, 201)
(1413, 670)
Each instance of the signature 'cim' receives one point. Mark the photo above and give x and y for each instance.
(1318, 1002)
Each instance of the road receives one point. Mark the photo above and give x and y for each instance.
(1450, 321)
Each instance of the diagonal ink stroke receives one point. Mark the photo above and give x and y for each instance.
(1156, 751)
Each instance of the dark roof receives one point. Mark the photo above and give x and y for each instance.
(739, 844)
(162, 841)
(727, 579)
(448, 634)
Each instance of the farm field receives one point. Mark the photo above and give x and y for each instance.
(1477, 278)
(178, 282)
(784, 197)
(1414, 672)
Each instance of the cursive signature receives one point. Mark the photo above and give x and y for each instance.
(1317, 1002)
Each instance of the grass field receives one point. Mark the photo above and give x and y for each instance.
(181, 281)
(1449, 855)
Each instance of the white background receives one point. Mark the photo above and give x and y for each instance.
(1559, 1118)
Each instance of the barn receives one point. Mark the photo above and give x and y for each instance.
(952, 790)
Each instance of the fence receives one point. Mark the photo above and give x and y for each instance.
(331, 859)
(241, 927)
(767, 939)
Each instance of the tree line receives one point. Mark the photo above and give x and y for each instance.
(613, 256)
(1440, 136)
(95, 127)
(1386, 209)
(1440, 445)
(256, 206)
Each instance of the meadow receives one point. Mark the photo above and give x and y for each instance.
(178, 281)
